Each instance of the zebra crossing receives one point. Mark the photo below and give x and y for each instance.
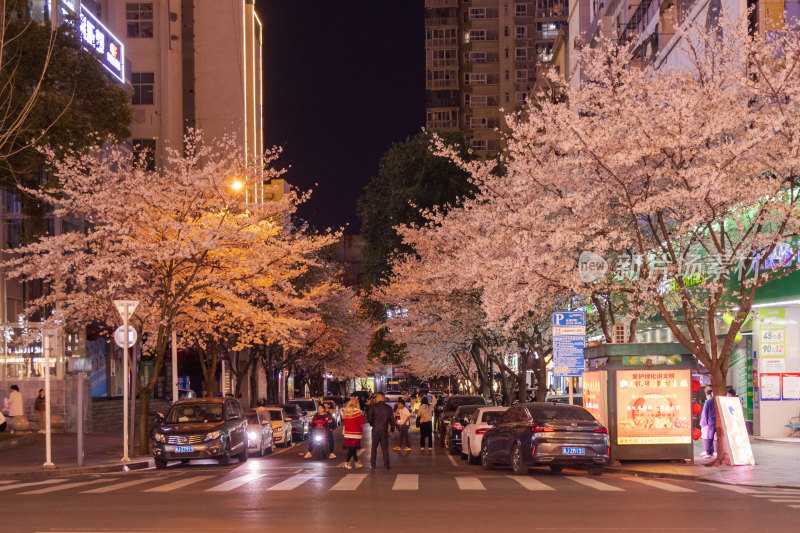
(349, 482)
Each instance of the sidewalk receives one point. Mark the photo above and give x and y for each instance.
(102, 453)
(777, 465)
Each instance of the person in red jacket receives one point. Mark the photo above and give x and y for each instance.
(353, 420)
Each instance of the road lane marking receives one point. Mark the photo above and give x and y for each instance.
(593, 483)
(292, 483)
(771, 494)
(117, 486)
(234, 483)
(734, 488)
(33, 483)
(178, 484)
(349, 482)
(6, 482)
(530, 483)
(452, 459)
(795, 506)
(661, 485)
(469, 483)
(406, 482)
(785, 500)
(68, 486)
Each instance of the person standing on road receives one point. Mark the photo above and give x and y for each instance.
(14, 405)
(403, 422)
(353, 420)
(425, 424)
(381, 418)
(708, 419)
(41, 410)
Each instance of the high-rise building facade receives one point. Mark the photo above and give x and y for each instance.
(482, 61)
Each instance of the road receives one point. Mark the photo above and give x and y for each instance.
(429, 491)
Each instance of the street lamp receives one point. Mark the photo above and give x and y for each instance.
(237, 185)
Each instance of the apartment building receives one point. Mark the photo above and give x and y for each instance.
(482, 61)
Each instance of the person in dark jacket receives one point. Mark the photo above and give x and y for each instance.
(381, 418)
(708, 419)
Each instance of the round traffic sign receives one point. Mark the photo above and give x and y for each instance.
(119, 336)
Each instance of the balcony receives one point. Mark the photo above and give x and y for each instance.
(441, 21)
(546, 35)
(440, 3)
(442, 42)
(441, 124)
(442, 84)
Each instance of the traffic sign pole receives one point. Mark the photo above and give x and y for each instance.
(125, 391)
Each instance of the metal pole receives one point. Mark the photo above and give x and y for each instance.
(174, 365)
(125, 378)
(132, 420)
(80, 418)
(571, 388)
(48, 463)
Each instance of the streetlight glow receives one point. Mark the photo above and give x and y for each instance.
(237, 185)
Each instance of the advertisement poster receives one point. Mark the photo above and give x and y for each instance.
(735, 430)
(790, 386)
(654, 407)
(772, 339)
(770, 387)
(594, 395)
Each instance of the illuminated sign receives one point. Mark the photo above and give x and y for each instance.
(109, 50)
(735, 430)
(654, 407)
(594, 395)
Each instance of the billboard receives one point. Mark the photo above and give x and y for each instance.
(594, 395)
(654, 407)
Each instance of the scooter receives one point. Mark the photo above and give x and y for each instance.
(319, 443)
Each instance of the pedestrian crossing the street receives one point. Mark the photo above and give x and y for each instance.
(304, 480)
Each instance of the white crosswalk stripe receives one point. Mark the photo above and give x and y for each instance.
(175, 485)
(661, 485)
(118, 486)
(234, 483)
(530, 483)
(349, 482)
(785, 500)
(469, 483)
(593, 483)
(406, 482)
(67, 486)
(733, 488)
(292, 483)
(7, 481)
(33, 484)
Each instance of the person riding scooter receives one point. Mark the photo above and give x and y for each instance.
(322, 421)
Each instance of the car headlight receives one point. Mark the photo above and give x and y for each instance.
(213, 435)
(159, 437)
(252, 435)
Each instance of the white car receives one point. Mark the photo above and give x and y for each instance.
(259, 432)
(281, 425)
(473, 433)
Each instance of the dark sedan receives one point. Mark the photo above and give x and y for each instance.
(448, 408)
(300, 422)
(456, 427)
(201, 428)
(536, 434)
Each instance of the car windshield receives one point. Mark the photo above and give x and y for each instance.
(195, 413)
(491, 416)
(337, 400)
(291, 410)
(253, 420)
(468, 410)
(274, 414)
(455, 403)
(561, 412)
(306, 406)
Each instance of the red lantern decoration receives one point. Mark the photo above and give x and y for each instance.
(696, 409)
(696, 434)
(695, 386)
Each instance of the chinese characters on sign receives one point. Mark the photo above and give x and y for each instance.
(109, 50)
(594, 395)
(770, 387)
(568, 348)
(772, 339)
(654, 407)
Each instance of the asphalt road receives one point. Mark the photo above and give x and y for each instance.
(421, 492)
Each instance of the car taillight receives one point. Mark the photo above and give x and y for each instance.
(603, 430)
(541, 429)
(533, 450)
(481, 431)
(458, 426)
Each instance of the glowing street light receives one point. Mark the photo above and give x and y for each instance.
(237, 185)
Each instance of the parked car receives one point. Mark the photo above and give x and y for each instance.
(480, 422)
(456, 426)
(300, 426)
(259, 432)
(338, 400)
(556, 435)
(308, 405)
(393, 396)
(200, 428)
(281, 425)
(577, 399)
(446, 408)
(334, 410)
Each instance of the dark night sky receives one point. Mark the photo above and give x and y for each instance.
(343, 80)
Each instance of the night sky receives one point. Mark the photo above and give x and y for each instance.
(343, 80)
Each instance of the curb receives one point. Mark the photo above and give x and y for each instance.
(691, 477)
(17, 441)
(73, 470)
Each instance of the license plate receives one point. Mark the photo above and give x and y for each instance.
(573, 451)
(184, 449)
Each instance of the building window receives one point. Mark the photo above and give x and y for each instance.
(522, 76)
(479, 100)
(507, 76)
(477, 35)
(476, 79)
(506, 53)
(480, 144)
(521, 32)
(144, 154)
(505, 31)
(544, 52)
(521, 54)
(521, 10)
(443, 58)
(477, 13)
(139, 19)
(143, 83)
(522, 98)
(477, 57)
(478, 122)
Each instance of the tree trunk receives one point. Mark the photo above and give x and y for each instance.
(253, 381)
(719, 387)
